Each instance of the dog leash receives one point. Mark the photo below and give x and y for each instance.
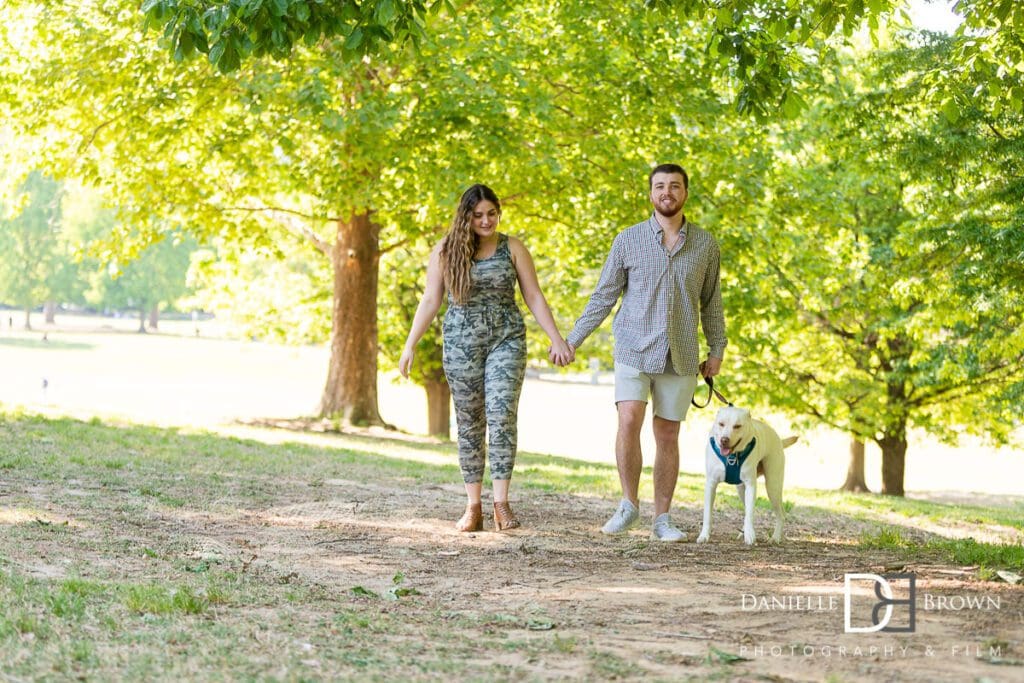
(710, 381)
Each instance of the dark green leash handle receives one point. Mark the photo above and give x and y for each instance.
(710, 381)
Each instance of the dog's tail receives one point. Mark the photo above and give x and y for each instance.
(789, 441)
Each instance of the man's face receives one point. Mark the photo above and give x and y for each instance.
(668, 193)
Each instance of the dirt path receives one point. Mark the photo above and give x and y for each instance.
(303, 552)
(625, 607)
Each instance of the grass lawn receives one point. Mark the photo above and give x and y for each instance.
(130, 552)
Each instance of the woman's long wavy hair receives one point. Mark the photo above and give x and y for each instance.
(460, 244)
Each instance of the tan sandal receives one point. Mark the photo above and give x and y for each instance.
(472, 519)
(504, 518)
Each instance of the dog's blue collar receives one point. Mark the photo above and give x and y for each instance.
(734, 461)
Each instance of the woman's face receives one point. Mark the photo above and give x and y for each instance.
(483, 219)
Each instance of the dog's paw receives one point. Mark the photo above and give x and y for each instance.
(749, 536)
(777, 538)
(703, 538)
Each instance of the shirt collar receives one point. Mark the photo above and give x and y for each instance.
(656, 228)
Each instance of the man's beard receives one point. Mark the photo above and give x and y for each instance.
(669, 212)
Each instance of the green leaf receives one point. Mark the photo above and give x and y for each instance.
(951, 110)
(779, 29)
(793, 105)
(354, 39)
(230, 61)
(398, 592)
(217, 51)
(385, 11)
(185, 46)
(1017, 97)
(712, 45)
(361, 592)
(199, 38)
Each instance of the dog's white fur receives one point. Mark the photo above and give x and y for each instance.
(732, 431)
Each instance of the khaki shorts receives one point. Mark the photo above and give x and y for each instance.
(671, 393)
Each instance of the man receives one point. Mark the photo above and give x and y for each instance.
(667, 271)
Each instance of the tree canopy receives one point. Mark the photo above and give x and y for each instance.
(872, 296)
(769, 47)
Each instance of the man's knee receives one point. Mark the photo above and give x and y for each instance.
(665, 431)
(631, 415)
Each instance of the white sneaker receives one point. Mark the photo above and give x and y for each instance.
(663, 530)
(624, 519)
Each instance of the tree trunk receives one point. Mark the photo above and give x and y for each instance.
(154, 316)
(28, 318)
(855, 482)
(50, 312)
(894, 455)
(439, 415)
(142, 319)
(350, 394)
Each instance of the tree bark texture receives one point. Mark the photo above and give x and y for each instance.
(894, 457)
(142, 320)
(50, 312)
(154, 316)
(439, 415)
(894, 438)
(350, 394)
(855, 481)
(28, 318)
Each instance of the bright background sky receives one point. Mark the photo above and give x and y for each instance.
(934, 16)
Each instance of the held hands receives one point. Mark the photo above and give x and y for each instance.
(711, 367)
(561, 353)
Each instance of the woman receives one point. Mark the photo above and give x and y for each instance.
(484, 342)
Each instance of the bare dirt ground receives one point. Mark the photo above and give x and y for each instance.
(624, 607)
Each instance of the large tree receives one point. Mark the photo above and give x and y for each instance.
(355, 155)
(376, 150)
(882, 290)
(570, 169)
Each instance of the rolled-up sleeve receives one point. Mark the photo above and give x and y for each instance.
(712, 318)
(609, 288)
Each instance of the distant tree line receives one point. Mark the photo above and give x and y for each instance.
(60, 247)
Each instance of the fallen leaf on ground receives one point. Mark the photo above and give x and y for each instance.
(1009, 577)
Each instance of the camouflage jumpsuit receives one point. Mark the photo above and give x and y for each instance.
(484, 361)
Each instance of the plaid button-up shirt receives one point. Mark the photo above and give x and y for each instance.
(663, 294)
